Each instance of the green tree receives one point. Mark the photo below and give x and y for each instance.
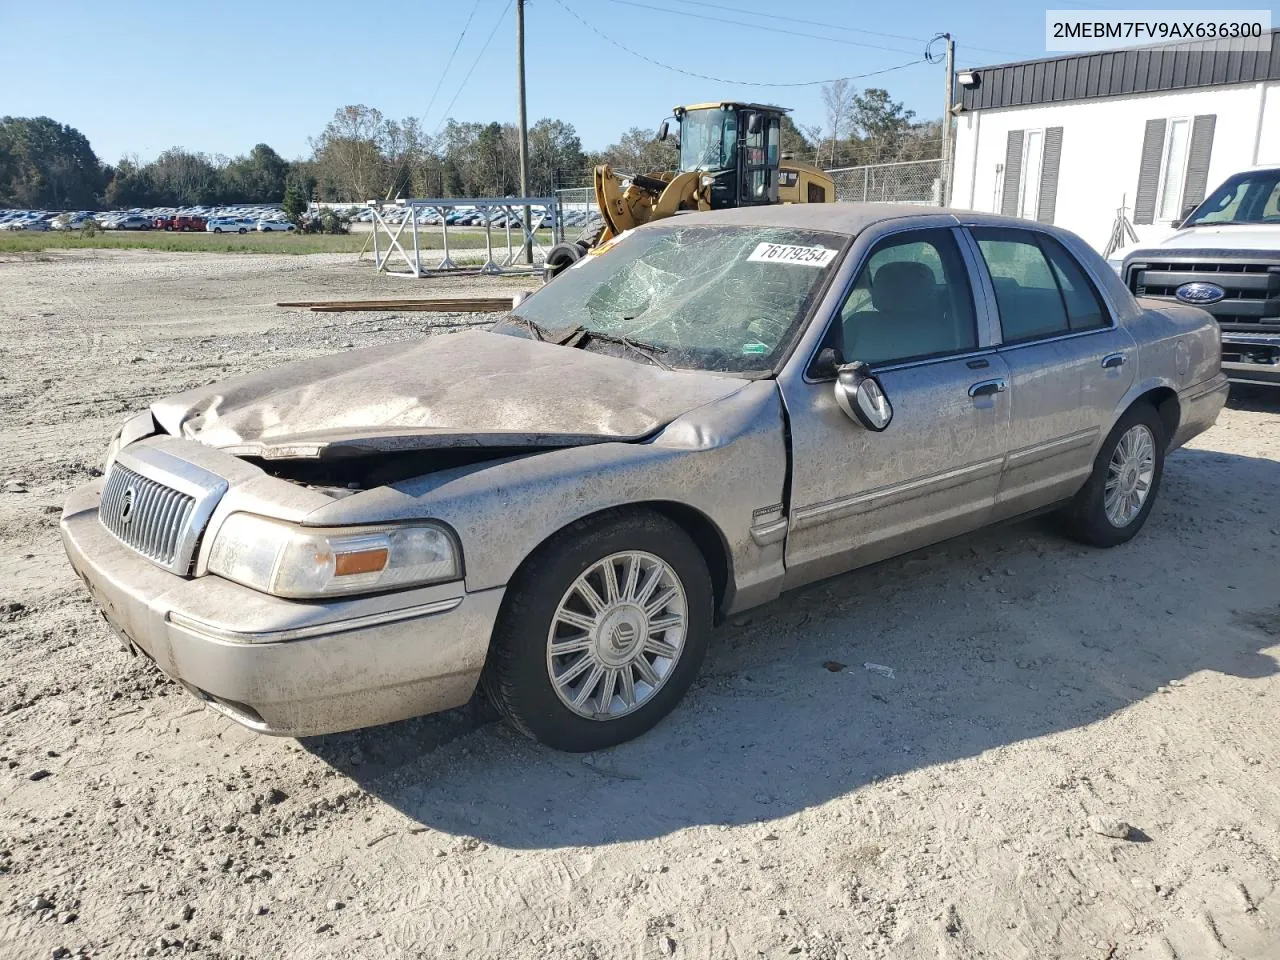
(880, 125)
(298, 189)
(639, 151)
(130, 185)
(351, 154)
(794, 143)
(555, 154)
(258, 177)
(44, 163)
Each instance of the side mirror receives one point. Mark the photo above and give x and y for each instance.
(663, 131)
(861, 397)
(826, 364)
(754, 123)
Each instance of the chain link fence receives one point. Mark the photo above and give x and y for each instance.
(908, 181)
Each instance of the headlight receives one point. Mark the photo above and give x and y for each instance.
(285, 560)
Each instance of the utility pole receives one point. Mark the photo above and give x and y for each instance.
(524, 128)
(949, 89)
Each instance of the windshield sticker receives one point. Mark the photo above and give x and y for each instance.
(790, 253)
(756, 347)
(608, 245)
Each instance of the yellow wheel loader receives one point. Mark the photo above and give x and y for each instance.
(730, 156)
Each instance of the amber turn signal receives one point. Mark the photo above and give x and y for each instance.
(359, 561)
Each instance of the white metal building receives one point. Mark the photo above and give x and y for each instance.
(1068, 140)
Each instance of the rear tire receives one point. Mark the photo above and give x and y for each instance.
(561, 257)
(1117, 498)
(217, 229)
(243, 230)
(545, 609)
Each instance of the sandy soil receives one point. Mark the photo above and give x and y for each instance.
(956, 809)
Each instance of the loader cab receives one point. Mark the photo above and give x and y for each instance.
(736, 146)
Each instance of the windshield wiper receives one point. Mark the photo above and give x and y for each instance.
(647, 350)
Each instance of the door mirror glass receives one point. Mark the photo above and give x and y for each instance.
(663, 131)
(861, 397)
(753, 123)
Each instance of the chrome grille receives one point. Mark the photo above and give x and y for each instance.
(1251, 300)
(145, 515)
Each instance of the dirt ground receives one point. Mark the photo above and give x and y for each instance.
(955, 809)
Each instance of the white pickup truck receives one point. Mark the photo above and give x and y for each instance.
(1225, 258)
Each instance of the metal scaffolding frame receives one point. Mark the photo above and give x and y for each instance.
(387, 234)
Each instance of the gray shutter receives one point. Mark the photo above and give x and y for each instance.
(1012, 174)
(1198, 160)
(1144, 203)
(1049, 174)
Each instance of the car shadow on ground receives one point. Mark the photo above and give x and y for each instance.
(1256, 399)
(999, 637)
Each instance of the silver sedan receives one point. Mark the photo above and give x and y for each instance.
(701, 414)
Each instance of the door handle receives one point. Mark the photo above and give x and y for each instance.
(985, 388)
(1112, 361)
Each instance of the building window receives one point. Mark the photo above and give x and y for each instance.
(1028, 180)
(1032, 159)
(1173, 168)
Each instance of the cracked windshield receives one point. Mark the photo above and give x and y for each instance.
(726, 299)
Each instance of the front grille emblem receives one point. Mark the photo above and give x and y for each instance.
(1199, 293)
(126, 505)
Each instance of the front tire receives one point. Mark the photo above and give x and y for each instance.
(242, 230)
(601, 632)
(1116, 500)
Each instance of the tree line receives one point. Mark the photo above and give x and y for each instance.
(362, 155)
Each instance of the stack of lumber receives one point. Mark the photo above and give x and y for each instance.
(437, 305)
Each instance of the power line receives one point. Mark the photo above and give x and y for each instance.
(759, 26)
(449, 63)
(474, 64)
(818, 23)
(703, 76)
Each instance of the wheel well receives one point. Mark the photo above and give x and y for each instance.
(709, 541)
(705, 534)
(1165, 402)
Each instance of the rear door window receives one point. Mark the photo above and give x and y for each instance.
(1041, 291)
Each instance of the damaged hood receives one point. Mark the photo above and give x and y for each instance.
(464, 389)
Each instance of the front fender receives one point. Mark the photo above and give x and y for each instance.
(727, 460)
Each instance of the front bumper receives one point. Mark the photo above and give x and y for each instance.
(281, 666)
(1252, 358)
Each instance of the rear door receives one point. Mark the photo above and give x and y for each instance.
(1069, 364)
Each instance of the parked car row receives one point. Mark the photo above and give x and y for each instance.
(183, 219)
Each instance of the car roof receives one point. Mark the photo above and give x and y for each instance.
(849, 218)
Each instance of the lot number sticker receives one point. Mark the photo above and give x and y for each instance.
(790, 253)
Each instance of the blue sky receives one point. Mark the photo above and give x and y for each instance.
(138, 76)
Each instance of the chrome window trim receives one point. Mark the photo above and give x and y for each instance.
(1036, 341)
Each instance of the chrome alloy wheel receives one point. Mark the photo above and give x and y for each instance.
(1129, 474)
(616, 635)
